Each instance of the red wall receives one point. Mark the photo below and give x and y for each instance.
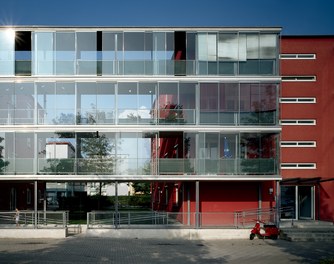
(322, 111)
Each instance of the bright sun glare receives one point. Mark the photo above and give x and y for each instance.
(10, 33)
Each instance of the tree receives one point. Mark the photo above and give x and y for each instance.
(64, 119)
(3, 163)
(96, 153)
(142, 187)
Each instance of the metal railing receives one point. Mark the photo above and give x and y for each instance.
(29, 219)
(154, 219)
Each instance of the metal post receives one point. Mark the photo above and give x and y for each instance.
(35, 203)
(278, 203)
(197, 206)
(259, 216)
(116, 204)
(44, 207)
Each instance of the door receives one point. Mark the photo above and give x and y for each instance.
(297, 202)
(305, 202)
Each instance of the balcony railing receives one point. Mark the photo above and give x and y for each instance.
(134, 116)
(119, 166)
(29, 219)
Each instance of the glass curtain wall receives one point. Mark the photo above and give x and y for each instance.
(138, 53)
(139, 153)
(83, 103)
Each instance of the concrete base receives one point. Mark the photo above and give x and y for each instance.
(191, 234)
(33, 233)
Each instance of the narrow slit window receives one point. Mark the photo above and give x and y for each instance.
(299, 78)
(297, 56)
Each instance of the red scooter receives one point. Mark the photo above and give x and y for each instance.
(267, 231)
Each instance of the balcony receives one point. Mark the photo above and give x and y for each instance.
(120, 166)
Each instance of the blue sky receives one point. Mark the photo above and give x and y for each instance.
(296, 17)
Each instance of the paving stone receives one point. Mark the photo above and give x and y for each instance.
(81, 249)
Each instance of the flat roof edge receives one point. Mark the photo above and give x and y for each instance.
(190, 28)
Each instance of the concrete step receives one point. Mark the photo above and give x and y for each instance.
(305, 224)
(308, 234)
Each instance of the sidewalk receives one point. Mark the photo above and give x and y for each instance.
(80, 249)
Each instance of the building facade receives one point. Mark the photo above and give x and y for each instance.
(307, 126)
(193, 110)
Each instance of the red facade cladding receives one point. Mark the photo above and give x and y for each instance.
(219, 201)
(322, 89)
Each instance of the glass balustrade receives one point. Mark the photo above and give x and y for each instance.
(132, 166)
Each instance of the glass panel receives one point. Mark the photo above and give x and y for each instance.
(228, 103)
(209, 103)
(288, 200)
(149, 53)
(187, 102)
(24, 153)
(251, 66)
(56, 153)
(171, 148)
(134, 53)
(4, 163)
(109, 45)
(146, 102)
(207, 47)
(65, 53)
(127, 103)
(105, 102)
(190, 152)
(7, 54)
(191, 53)
(228, 47)
(258, 153)
(252, 46)
(24, 103)
(86, 103)
(227, 154)
(127, 154)
(242, 47)
(305, 198)
(170, 53)
(46, 103)
(268, 49)
(7, 103)
(65, 98)
(163, 53)
(249, 103)
(43, 53)
(209, 153)
(86, 53)
(268, 104)
(96, 153)
(145, 153)
(168, 102)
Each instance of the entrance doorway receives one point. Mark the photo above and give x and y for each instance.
(300, 201)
